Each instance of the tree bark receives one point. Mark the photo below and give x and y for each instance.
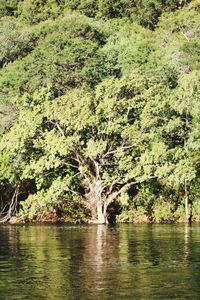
(97, 204)
(101, 212)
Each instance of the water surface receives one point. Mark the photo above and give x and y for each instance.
(100, 262)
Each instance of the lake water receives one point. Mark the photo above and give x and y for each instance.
(100, 262)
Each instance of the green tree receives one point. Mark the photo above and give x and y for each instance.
(101, 138)
(8, 7)
(34, 11)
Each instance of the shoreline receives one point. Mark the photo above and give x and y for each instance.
(15, 221)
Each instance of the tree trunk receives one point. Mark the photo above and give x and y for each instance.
(101, 212)
(187, 213)
(97, 205)
(186, 208)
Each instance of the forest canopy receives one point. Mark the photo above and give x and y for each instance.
(100, 110)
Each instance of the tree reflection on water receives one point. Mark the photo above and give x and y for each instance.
(100, 262)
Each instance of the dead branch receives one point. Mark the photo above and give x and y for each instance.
(12, 207)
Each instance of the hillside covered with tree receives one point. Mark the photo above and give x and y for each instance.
(100, 110)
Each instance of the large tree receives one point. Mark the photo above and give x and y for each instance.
(103, 139)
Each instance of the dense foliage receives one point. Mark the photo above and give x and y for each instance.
(100, 110)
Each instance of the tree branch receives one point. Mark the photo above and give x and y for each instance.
(123, 189)
(121, 148)
(185, 36)
(12, 207)
(97, 169)
(58, 127)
